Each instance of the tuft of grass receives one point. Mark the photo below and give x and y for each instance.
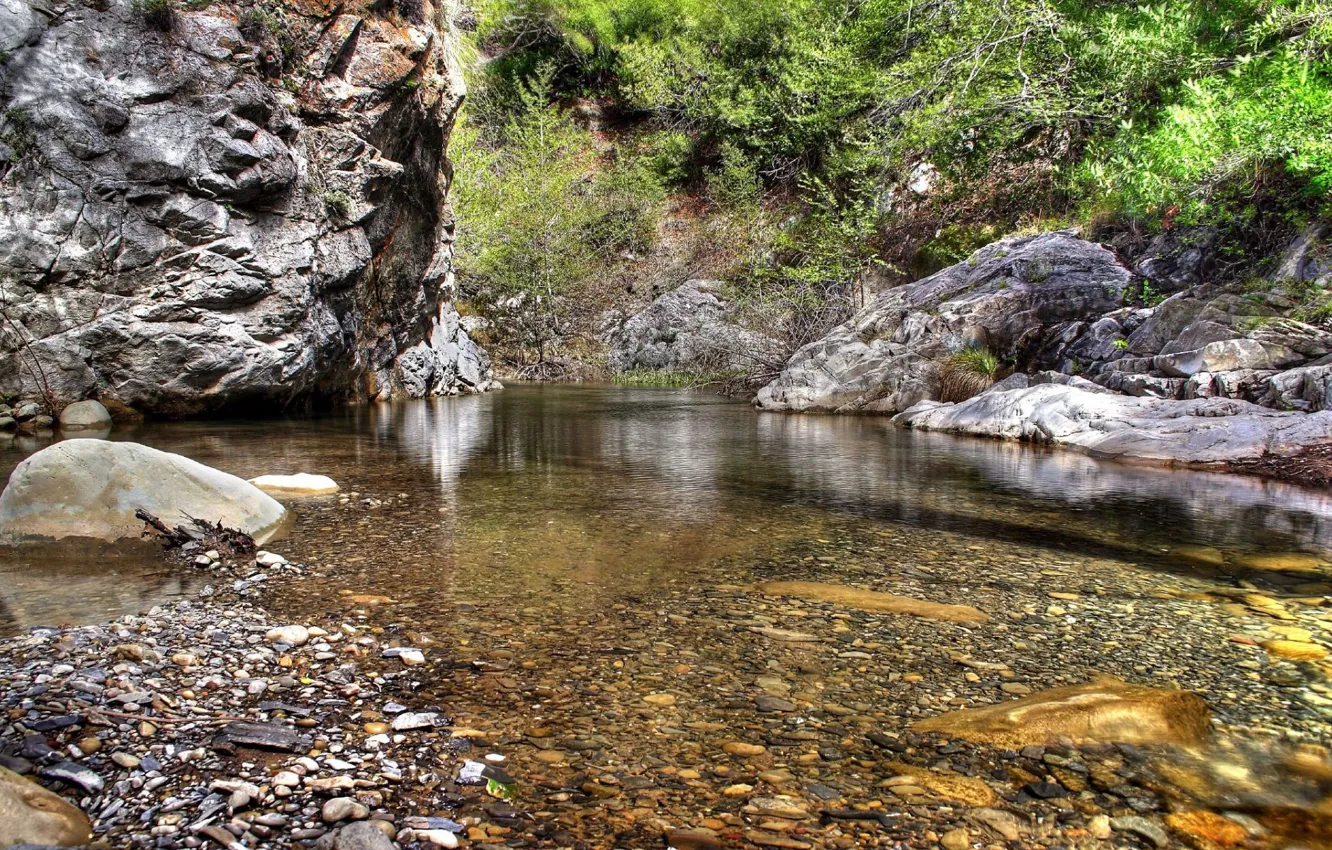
(967, 373)
(338, 202)
(656, 378)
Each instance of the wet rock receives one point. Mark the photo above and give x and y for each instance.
(298, 484)
(961, 789)
(30, 814)
(693, 839)
(1141, 827)
(91, 488)
(291, 635)
(1106, 710)
(869, 600)
(1004, 824)
(85, 415)
(955, 839)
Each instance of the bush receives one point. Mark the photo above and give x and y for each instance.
(967, 373)
(158, 14)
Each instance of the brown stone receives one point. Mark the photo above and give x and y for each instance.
(872, 600)
(958, 789)
(30, 814)
(1202, 828)
(1295, 650)
(1106, 710)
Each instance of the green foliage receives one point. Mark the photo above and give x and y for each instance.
(1134, 109)
(18, 134)
(158, 14)
(967, 372)
(1121, 344)
(338, 203)
(540, 211)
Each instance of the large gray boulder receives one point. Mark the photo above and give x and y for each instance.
(1199, 432)
(248, 207)
(91, 488)
(1026, 298)
(85, 415)
(688, 329)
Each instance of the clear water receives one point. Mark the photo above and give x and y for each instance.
(623, 487)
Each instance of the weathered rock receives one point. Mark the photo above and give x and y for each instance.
(299, 484)
(688, 329)
(871, 600)
(91, 488)
(264, 736)
(1227, 356)
(1105, 710)
(30, 814)
(361, 835)
(1139, 430)
(1025, 292)
(82, 415)
(183, 233)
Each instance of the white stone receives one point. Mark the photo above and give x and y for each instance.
(91, 488)
(269, 559)
(294, 635)
(299, 484)
(1136, 430)
(83, 415)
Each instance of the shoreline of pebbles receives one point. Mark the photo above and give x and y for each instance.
(208, 723)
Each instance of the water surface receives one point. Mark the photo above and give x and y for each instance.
(614, 491)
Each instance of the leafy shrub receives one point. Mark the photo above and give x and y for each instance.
(158, 14)
(967, 373)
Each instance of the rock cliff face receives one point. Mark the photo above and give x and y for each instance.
(207, 206)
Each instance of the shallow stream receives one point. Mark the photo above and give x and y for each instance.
(580, 564)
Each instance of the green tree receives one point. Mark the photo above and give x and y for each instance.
(539, 213)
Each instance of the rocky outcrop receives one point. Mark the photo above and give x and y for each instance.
(1199, 432)
(689, 329)
(92, 488)
(1025, 298)
(201, 207)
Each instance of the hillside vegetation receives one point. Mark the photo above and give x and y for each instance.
(825, 139)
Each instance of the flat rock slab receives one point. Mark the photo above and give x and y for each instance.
(1105, 710)
(91, 488)
(1155, 431)
(260, 736)
(299, 484)
(873, 600)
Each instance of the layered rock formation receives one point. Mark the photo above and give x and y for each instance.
(1197, 432)
(235, 203)
(1025, 298)
(1056, 302)
(688, 329)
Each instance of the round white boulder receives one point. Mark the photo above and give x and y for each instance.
(300, 484)
(91, 488)
(85, 415)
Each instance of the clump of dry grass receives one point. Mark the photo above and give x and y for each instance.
(967, 373)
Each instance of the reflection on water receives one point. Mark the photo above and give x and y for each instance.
(556, 484)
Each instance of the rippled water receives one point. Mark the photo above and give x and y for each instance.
(620, 488)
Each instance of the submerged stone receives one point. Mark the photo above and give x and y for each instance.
(298, 484)
(873, 600)
(1105, 710)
